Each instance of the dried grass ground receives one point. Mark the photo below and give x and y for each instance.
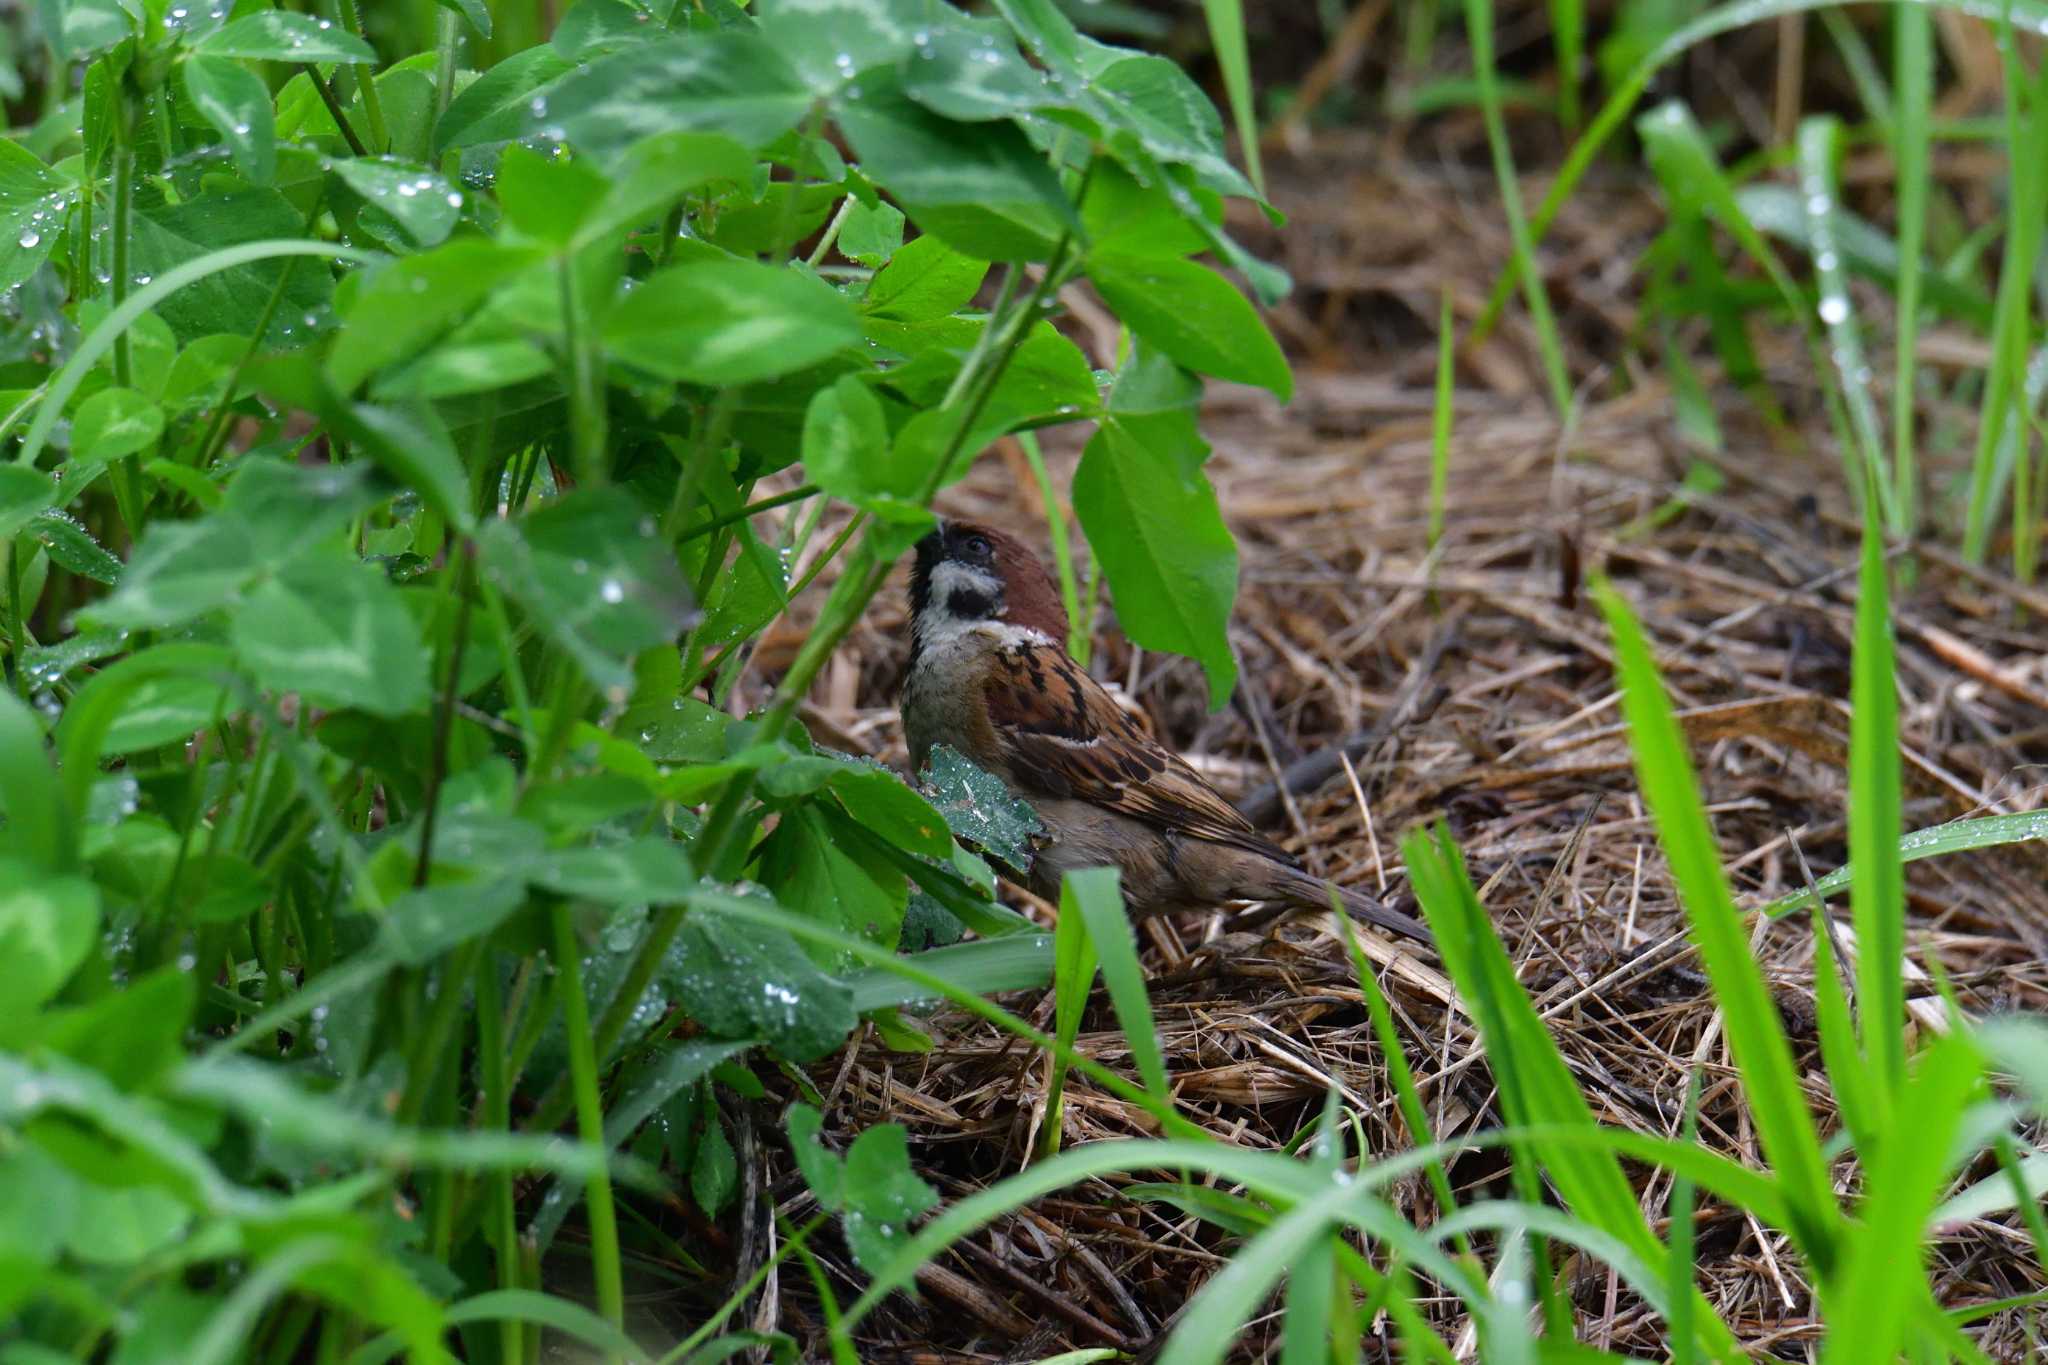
(1491, 705)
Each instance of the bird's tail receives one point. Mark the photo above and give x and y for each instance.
(1313, 893)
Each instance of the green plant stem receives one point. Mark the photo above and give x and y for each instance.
(831, 233)
(366, 81)
(752, 509)
(497, 1118)
(428, 1055)
(444, 717)
(127, 482)
(604, 1225)
(1913, 64)
(586, 381)
(1479, 28)
(447, 45)
(335, 111)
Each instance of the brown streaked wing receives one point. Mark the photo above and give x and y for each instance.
(1067, 738)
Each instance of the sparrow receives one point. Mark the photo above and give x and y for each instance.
(990, 675)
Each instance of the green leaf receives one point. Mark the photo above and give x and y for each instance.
(1193, 315)
(166, 235)
(23, 493)
(1127, 218)
(807, 862)
(593, 577)
(745, 981)
(402, 306)
(729, 322)
(980, 187)
(1957, 836)
(478, 13)
(178, 570)
(871, 235)
(925, 280)
(121, 1226)
(281, 36)
(421, 202)
(72, 546)
(333, 630)
(237, 103)
(969, 70)
(33, 202)
(653, 870)
(714, 1175)
(733, 83)
(546, 197)
(48, 925)
(497, 106)
(656, 172)
(413, 446)
(883, 1195)
(112, 423)
(1153, 521)
(824, 1171)
(426, 923)
(133, 1036)
(879, 800)
(161, 711)
(846, 447)
(979, 808)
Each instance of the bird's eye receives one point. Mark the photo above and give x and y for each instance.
(979, 547)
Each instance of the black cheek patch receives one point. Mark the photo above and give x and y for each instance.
(969, 604)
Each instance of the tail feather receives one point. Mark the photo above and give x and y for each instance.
(1313, 893)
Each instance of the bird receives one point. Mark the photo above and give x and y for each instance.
(991, 677)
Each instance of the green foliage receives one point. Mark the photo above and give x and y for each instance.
(379, 566)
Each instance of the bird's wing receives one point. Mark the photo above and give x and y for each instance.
(1065, 737)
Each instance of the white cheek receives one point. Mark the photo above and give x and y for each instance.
(951, 574)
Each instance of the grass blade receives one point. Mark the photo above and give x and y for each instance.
(1073, 975)
(1440, 421)
(1568, 34)
(1882, 1276)
(1913, 75)
(1957, 836)
(1097, 895)
(1479, 26)
(2001, 421)
(1771, 1081)
(1878, 899)
(1819, 150)
(1536, 1087)
(1226, 39)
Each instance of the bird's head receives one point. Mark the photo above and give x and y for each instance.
(967, 573)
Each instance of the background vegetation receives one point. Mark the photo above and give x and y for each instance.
(392, 400)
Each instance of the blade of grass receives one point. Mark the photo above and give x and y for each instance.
(1847, 1073)
(1568, 35)
(1098, 896)
(2000, 421)
(1681, 1240)
(1819, 145)
(1226, 40)
(1913, 77)
(1882, 1273)
(1073, 973)
(1957, 836)
(1479, 31)
(1755, 1033)
(604, 1225)
(1535, 1084)
(1440, 422)
(1878, 898)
